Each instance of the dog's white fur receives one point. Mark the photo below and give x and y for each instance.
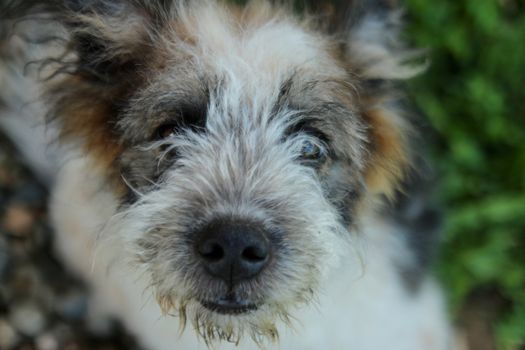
(360, 303)
(363, 304)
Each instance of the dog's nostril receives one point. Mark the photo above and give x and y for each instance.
(211, 251)
(233, 250)
(255, 253)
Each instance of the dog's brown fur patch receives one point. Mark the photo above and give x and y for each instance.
(84, 114)
(389, 158)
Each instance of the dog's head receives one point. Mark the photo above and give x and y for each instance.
(243, 143)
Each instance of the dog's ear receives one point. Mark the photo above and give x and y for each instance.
(113, 39)
(374, 52)
(106, 49)
(110, 38)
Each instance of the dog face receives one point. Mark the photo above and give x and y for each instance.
(242, 143)
(245, 163)
(241, 149)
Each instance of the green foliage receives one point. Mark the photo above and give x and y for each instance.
(474, 96)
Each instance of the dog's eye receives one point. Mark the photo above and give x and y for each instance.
(165, 131)
(185, 118)
(311, 151)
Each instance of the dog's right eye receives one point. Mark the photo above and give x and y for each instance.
(311, 151)
(183, 118)
(165, 131)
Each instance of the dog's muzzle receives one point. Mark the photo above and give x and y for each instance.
(232, 251)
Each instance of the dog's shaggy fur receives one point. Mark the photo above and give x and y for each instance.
(180, 114)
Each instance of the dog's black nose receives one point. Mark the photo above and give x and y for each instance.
(233, 250)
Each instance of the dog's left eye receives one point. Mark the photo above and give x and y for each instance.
(166, 130)
(311, 151)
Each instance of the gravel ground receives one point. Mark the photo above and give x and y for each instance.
(42, 306)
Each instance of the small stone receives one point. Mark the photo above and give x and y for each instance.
(31, 195)
(8, 335)
(4, 258)
(72, 345)
(4, 196)
(5, 177)
(107, 347)
(18, 220)
(72, 306)
(27, 318)
(24, 282)
(62, 333)
(27, 346)
(47, 341)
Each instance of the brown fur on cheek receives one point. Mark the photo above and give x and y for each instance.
(84, 114)
(389, 157)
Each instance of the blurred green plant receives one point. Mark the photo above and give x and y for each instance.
(474, 96)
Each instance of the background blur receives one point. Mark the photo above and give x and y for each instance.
(473, 96)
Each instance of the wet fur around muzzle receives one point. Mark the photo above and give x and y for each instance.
(198, 112)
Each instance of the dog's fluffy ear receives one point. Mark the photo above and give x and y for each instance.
(109, 38)
(108, 45)
(374, 44)
(374, 52)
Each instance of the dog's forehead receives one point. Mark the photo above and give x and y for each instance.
(214, 55)
(258, 51)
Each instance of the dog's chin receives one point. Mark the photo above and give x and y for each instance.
(230, 320)
(233, 315)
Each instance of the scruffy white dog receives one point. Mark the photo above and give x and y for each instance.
(227, 170)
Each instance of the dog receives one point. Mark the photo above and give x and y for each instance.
(230, 176)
